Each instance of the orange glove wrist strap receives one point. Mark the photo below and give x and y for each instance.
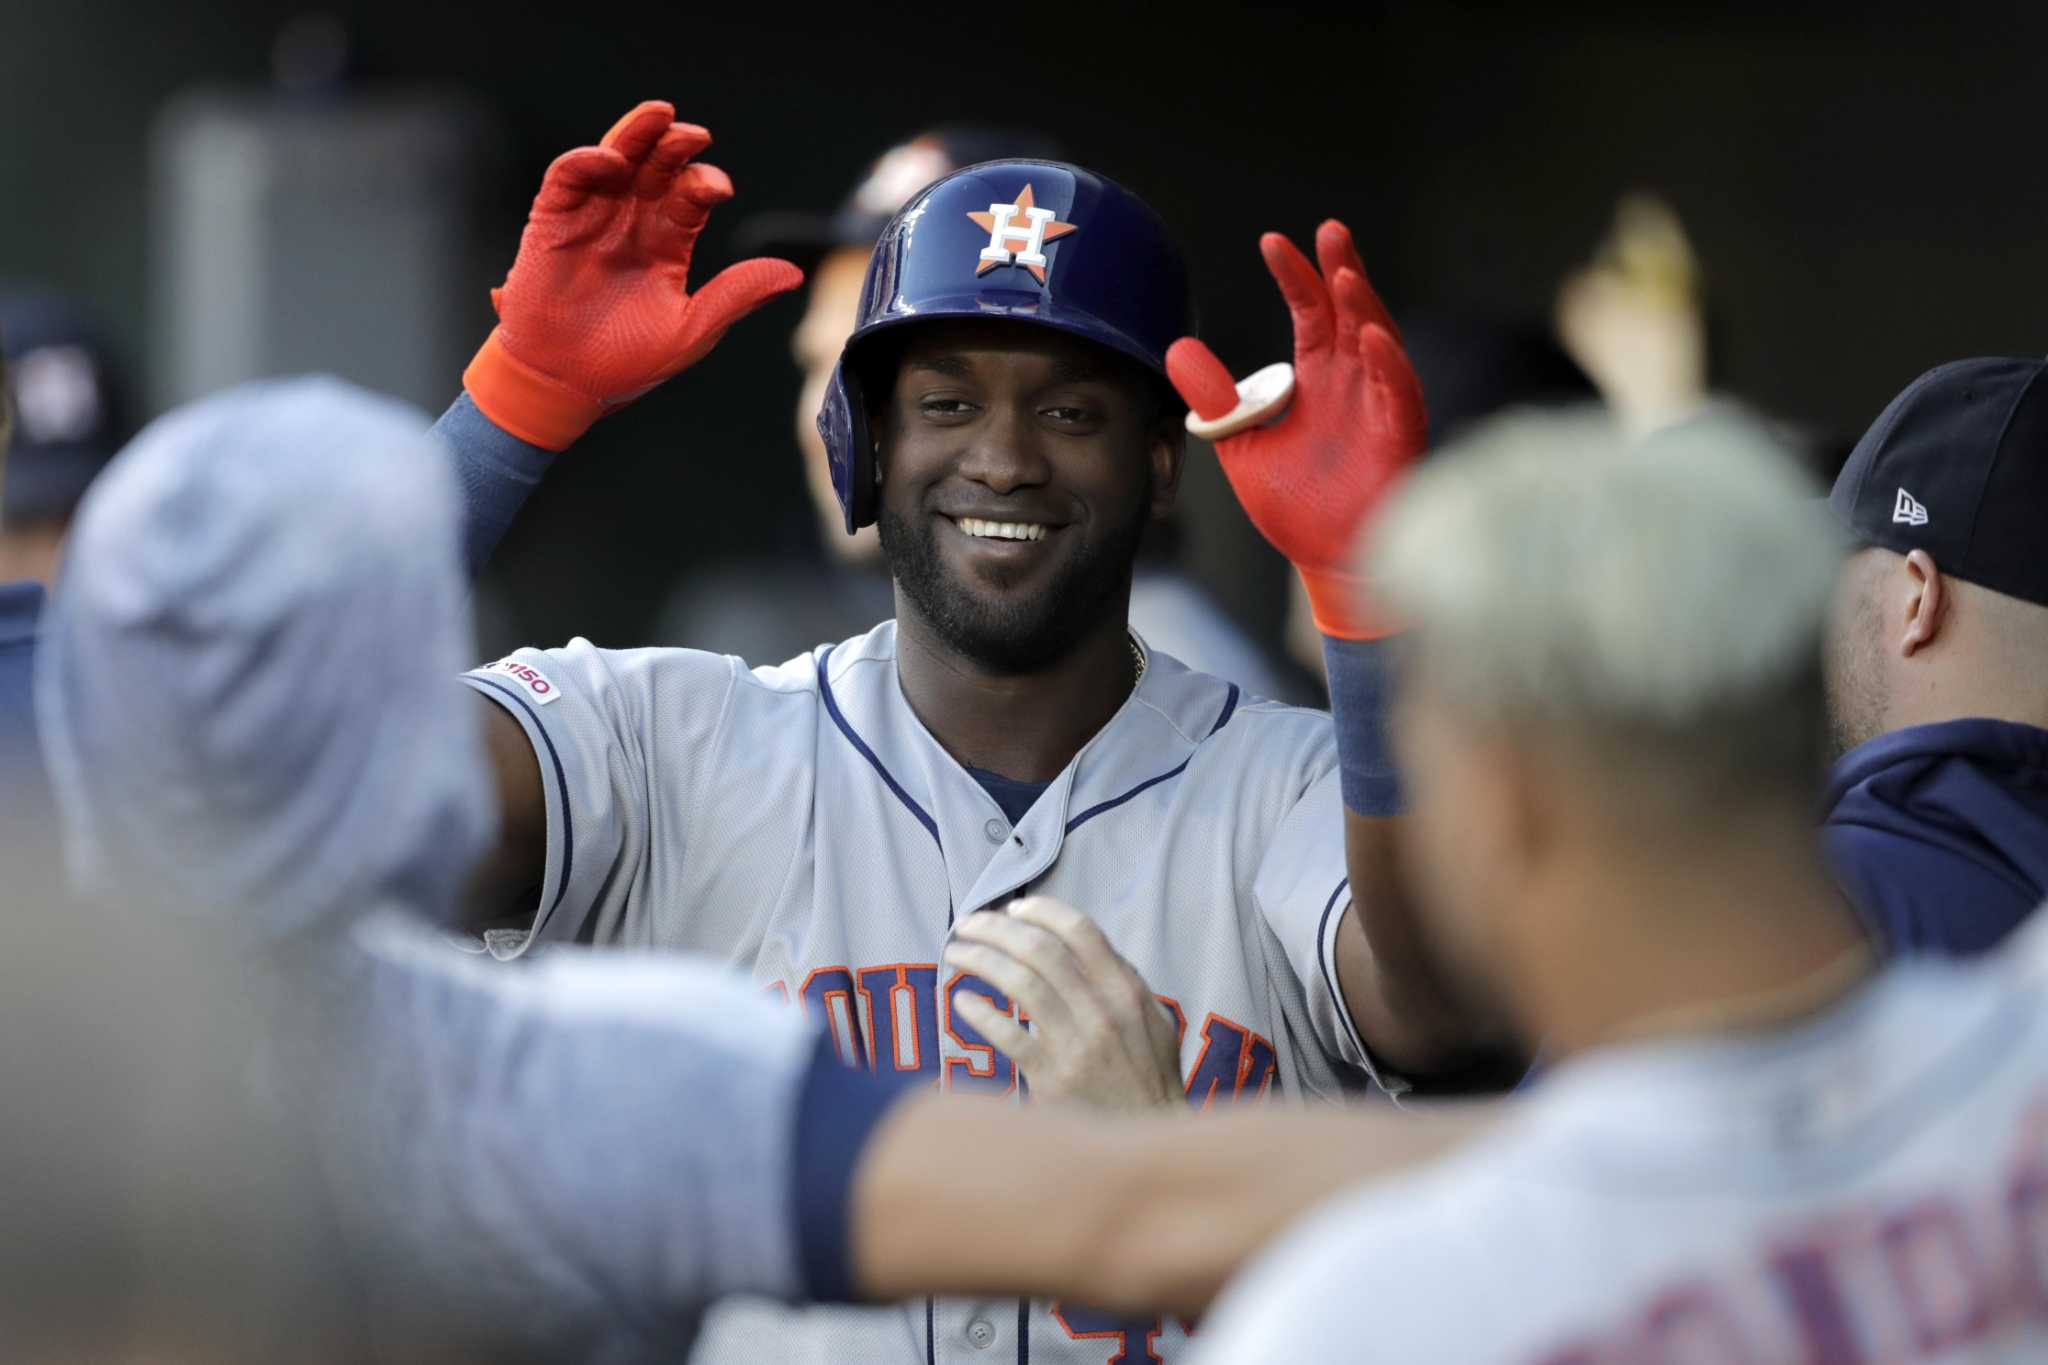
(538, 410)
(1339, 604)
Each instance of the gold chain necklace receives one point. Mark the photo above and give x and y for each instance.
(1137, 657)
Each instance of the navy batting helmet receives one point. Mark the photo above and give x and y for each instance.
(1041, 242)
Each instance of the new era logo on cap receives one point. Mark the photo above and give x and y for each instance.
(1956, 467)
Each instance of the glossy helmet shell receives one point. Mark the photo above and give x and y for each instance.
(1105, 269)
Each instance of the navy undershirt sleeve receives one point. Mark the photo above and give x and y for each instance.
(497, 471)
(837, 1111)
(1361, 682)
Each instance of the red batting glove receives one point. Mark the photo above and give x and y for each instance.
(597, 310)
(1310, 480)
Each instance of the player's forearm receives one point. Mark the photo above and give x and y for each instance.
(1388, 981)
(1394, 1001)
(1414, 1027)
(1198, 1198)
(496, 471)
(1129, 1215)
(1418, 1031)
(973, 1197)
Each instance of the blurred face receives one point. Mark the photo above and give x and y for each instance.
(832, 301)
(1458, 846)
(1858, 682)
(1019, 468)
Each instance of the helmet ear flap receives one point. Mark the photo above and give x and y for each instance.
(849, 447)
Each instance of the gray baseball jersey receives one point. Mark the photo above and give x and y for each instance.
(1872, 1186)
(800, 822)
(513, 1152)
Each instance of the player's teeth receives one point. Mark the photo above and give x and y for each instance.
(1002, 530)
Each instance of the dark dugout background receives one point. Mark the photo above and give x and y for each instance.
(1866, 192)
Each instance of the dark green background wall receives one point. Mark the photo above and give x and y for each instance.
(1867, 190)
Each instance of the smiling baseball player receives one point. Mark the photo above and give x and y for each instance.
(849, 826)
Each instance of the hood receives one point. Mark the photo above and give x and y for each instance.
(246, 683)
(1939, 833)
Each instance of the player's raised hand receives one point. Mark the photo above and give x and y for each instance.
(597, 308)
(1310, 476)
(1098, 1035)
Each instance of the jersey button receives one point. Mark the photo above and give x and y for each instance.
(981, 1333)
(995, 830)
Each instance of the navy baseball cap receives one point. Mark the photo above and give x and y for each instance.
(896, 176)
(1957, 466)
(58, 388)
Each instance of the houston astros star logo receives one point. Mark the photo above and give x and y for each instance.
(1039, 227)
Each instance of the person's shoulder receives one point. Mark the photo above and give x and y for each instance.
(1232, 724)
(1408, 1240)
(1175, 614)
(1211, 703)
(680, 692)
(864, 660)
(544, 675)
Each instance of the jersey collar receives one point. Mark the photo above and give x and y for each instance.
(1146, 744)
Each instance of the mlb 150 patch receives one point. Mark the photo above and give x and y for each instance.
(532, 680)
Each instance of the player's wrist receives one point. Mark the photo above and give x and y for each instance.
(536, 408)
(1342, 606)
(1360, 678)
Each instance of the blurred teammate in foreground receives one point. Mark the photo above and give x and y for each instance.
(569, 1158)
(1748, 1146)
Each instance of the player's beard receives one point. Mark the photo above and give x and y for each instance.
(1012, 633)
(1855, 673)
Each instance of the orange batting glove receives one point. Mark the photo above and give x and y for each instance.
(597, 310)
(1309, 480)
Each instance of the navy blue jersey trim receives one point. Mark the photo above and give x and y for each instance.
(860, 747)
(561, 785)
(931, 1352)
(1229, 709)
(1023, 1332)
(1223, 719)
(1323, 958)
